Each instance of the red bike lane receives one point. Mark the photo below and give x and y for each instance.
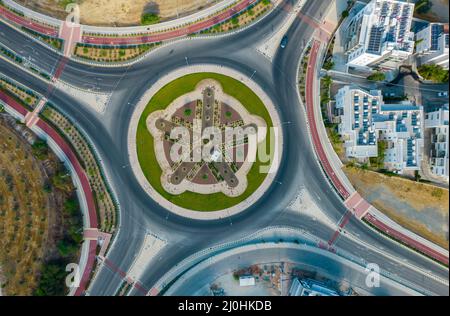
(38, 27)
(131, 40)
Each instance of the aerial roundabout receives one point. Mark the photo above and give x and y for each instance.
(205, 142)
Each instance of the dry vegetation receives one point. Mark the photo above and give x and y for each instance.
(24, 209)
(424, 201)
(27, 97)
(114, 54)
(118, 12)
(34, 224)
(244, 18)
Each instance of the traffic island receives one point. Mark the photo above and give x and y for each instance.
(202, 142)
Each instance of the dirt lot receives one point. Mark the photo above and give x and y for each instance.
(419, 207)
(30, 216)
(119, 12)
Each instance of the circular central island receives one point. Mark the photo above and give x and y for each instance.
(205, 142)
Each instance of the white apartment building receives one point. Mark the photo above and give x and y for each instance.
(367, 120)
(437, 122)
(432, 45)
(379, 35)
(357, 107)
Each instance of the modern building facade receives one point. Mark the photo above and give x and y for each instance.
(432, 45)
(365, 121)
(379, 35)
(437, 123)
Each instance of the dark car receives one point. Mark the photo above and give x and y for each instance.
(284, 41)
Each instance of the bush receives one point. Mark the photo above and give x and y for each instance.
(40, 149)
(377, 76)
(62, 181)
(149, 18)
(328, 65)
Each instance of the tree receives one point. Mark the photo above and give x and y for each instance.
(149, 18)
(67, 247)
(433, 72)
(423, 6)
(62, 181)
(40, 149)
(71, 206)
(329, 64)
(345, 14)
(51, 282)
(377, 76)
(327, 81)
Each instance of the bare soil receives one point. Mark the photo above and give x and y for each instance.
(420, 207)
(119, 12)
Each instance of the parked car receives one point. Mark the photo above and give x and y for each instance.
(443, 94)
(284, 41)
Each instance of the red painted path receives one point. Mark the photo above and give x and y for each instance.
(28, 23)
(130, 40)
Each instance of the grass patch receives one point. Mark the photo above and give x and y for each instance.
(146, 151)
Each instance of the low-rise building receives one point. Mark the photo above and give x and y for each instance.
(379, 35)
(365, 121)
(400, 127)
(310, 287)
(247, 280)
(356, 108)
(437, 123)
(432, 45)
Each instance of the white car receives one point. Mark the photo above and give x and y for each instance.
(443, 94)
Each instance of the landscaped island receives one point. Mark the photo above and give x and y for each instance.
(210, 189)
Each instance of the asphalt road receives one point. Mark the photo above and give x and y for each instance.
(299, 168)
(197, 281)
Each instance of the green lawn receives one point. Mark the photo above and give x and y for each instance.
(145, 145)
